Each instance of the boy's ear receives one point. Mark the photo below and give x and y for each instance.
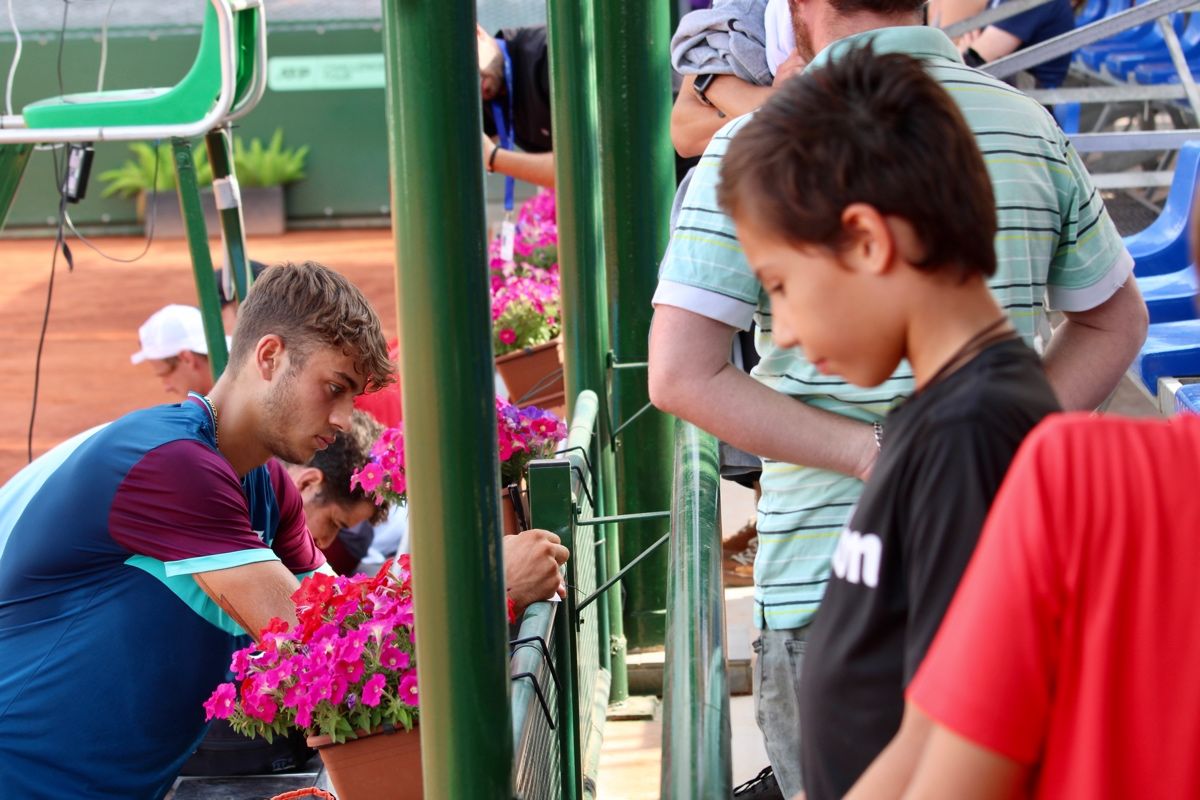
(870, 245)
(308, 479)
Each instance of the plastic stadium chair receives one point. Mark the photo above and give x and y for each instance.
(1092, 11)
(1163, 247)
(225, 80)
(1187, 399)
(1162, 71)
(1157, 59)
(1170, 297)
(1144, 40)
(1172, 349)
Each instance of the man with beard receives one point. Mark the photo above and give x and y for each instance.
(132, 556)
(819, 437)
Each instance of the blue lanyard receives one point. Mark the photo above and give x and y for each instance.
(503, 127)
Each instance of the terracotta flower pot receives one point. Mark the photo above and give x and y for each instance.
(375, 766)
(532, 373)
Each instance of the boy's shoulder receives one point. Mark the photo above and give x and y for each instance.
(1005, 377)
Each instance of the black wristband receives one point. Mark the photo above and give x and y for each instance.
(491, 162)
(973, 59)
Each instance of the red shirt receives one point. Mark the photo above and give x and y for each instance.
(1073, 642)
(385, 405)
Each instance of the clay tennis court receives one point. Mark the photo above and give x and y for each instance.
(86, 376)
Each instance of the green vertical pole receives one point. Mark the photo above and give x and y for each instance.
(581, 262)
(637, 169)
(202, 267)
(434, 124)
(550, 509)
(229, 208)
(13, 160)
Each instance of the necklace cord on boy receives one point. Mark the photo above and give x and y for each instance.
(995, 331)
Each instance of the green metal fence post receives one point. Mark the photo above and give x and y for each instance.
(202, 267)
(695, 755)
(550, 508)
(434, 124)
(581, 261)
(637, 171)
(229, 208)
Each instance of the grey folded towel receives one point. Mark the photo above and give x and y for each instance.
(727, 39)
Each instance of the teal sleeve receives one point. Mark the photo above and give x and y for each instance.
(1089, 247)
(704, 251)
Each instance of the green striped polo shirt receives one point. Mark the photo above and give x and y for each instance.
(1055, 243)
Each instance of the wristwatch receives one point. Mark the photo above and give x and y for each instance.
(700, 86)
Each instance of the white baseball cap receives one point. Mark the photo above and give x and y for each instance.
(169, 331)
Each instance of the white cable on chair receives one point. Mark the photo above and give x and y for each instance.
(12, 70)
(103, 46)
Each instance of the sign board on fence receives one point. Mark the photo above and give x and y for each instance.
(325, 73)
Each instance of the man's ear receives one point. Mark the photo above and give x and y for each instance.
(269, 356)
(308, 480)
(870, 245)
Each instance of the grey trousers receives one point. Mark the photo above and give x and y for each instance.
(777, 702)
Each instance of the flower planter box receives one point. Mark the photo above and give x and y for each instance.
(532, 374)
(385, 765)
(263, 212)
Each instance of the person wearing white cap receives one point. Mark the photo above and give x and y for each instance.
(173, 344)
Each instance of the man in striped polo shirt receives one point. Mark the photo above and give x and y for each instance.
(1055, 244)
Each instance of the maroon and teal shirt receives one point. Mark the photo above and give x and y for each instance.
(108, 646)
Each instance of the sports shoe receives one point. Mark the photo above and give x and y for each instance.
(762, 786)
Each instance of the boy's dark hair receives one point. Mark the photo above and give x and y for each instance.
(310, 306)
(347, 454)
(872, 129)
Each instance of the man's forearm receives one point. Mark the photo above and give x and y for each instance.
(736, 97)
(690, 376)
(537, 168)
(1091, 350)
(743, 412)
(693, 123)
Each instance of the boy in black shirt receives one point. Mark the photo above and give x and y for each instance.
(866, 211)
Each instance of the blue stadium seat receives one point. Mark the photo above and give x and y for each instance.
(1170, 297)
(1139, 37)
(1163, 247)
(1092, 11)
(1172, 350)
(1187, 399)
(1154, 65)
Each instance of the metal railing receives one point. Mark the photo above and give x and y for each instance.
(560, 686)
(696, 758)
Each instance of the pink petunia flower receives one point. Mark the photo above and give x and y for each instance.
(372, 691)
(220, 705)
(394, 659)
(369, 477)
(408, 688)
